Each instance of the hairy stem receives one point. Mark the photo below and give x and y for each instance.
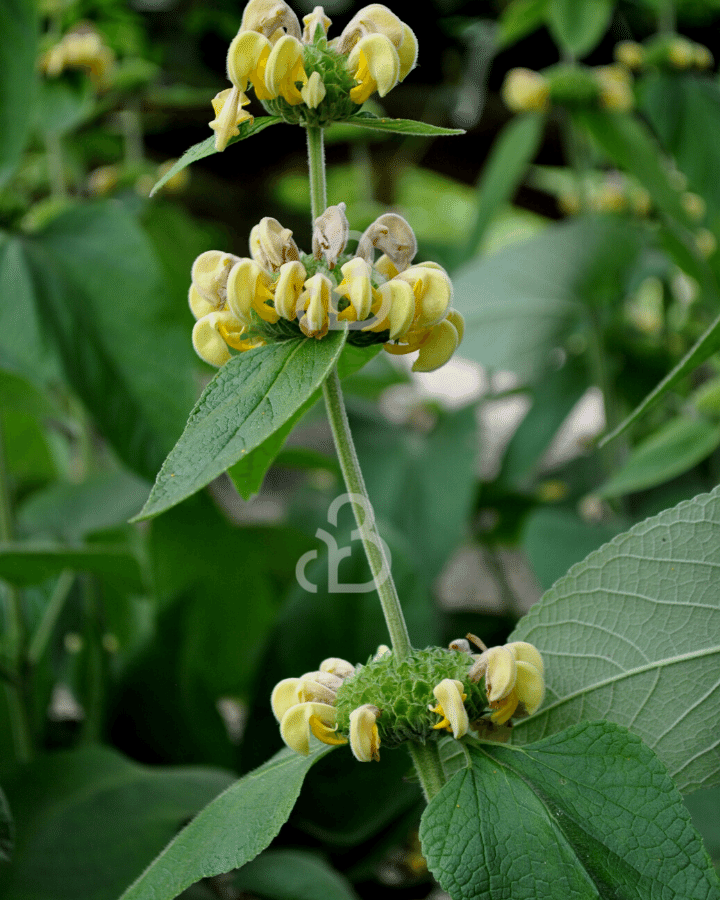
(316, 164)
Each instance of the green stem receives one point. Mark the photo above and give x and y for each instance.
(355, 484)
(14, 626)
(316, 165)
(52, 611)
(426, 758)
(666, 17)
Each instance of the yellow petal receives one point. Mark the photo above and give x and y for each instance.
(497, 665)
(228, 116)
(449, 695)
(248, 287)
(336, 666)
(247, 53)
(268, 17)
(313, 93)
(433, 294)
(284, 695)
(530, 686)
(372, 19)
(295, 724)
(326, 734)
(199, 306)
(455, 318)
(376, 65)
(288, 289)
(437, 349)
(207, 340)
(407, 51)
(356, 286)
(315, 300)
(399, 300)
(284, 67)
(314, 20)
(364, 737)
(521, 650)
(271, 245)
(210, 273)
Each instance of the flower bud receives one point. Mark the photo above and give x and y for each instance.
(629, 54)
(270, 17)
(702, 57)
(313, 93)
(314, 20)
(694, 205)
(681, 52)
(336, 666)
(449, 695)
(376, 66)
(330, 234)
(296, 725)
(392, 235)
(615, 88)
(271, 245)
(228, 115)
(526, 91)
(364, 737)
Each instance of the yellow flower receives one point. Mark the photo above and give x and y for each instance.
(248, 289)
(376, 65)
(513, 678)
(526, 91)
(450, 696)
(228, 115)
(364, 737)
(271, 245)
(316, 300)
(285, 67)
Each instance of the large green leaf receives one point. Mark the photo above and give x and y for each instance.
(18, 50)
(250, 398)
(207, 147)
(520, 303)
(292, 875)
(89, 820)
(25, 564)
(578, 25)
(631, 635)
(512, 153)
(232, 830)
(589, 813)
(704, 806)
(124, 341)
(7, 839)
(673, 449)
(518, 19)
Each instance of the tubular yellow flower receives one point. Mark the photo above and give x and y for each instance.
(228, 115)
(398, 306)
(248, 288)
(356, 287)
(318, 686)
(285, 67)
(247, 59)
(272, 18)
(497, 665)
(210, 273)
(530, 686)
(313, 93)
(271, 245)
(284, 695)
(372, 19)
(437, 347)
(199, 305)
(316, 300)
(364, 737)
(288, 289)
(450, 696)
(304, 719)
(433, 293)
(376, 66)
(212, 334)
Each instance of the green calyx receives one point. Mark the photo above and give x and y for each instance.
(403, 690)
(336, 105)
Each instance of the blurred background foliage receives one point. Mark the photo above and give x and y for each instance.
(580, 230)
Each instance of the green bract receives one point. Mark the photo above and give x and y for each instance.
(403, 691)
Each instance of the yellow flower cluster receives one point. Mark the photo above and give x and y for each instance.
(242, 303)
(305, 706)
(610, 87)
(299, 67)
(664, 51)
(81, 48)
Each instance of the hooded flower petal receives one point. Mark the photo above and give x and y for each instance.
(272, 18)
(316, 300)
(295, 726)
(392, 235)
(376, 67)
(364, 737)
(271, 245)
(246, 61)
(284, 695)
(284, 68)
(330, 234)
(228, 115)
(212, 334)
(450, 696)
(357, 288)
(248, 288)
(437, 347)
(336, 666)
(372, 19)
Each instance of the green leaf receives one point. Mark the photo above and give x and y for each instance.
(631, 635)
(292, 875)
(578, 25)
(674, 104)
(632, 148)
(89, 820)
(520, 18)
(18, 51)
(73, 511)
(703, 807)
(541, 283)
(400, 126)
(512, 153)
(232, 830)
(250, 398)
(7, 839)
(555, 539)
(101, 296)
(704, 347)
(207, 147)
(588, 813)
(673, 449)
(25, 564)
